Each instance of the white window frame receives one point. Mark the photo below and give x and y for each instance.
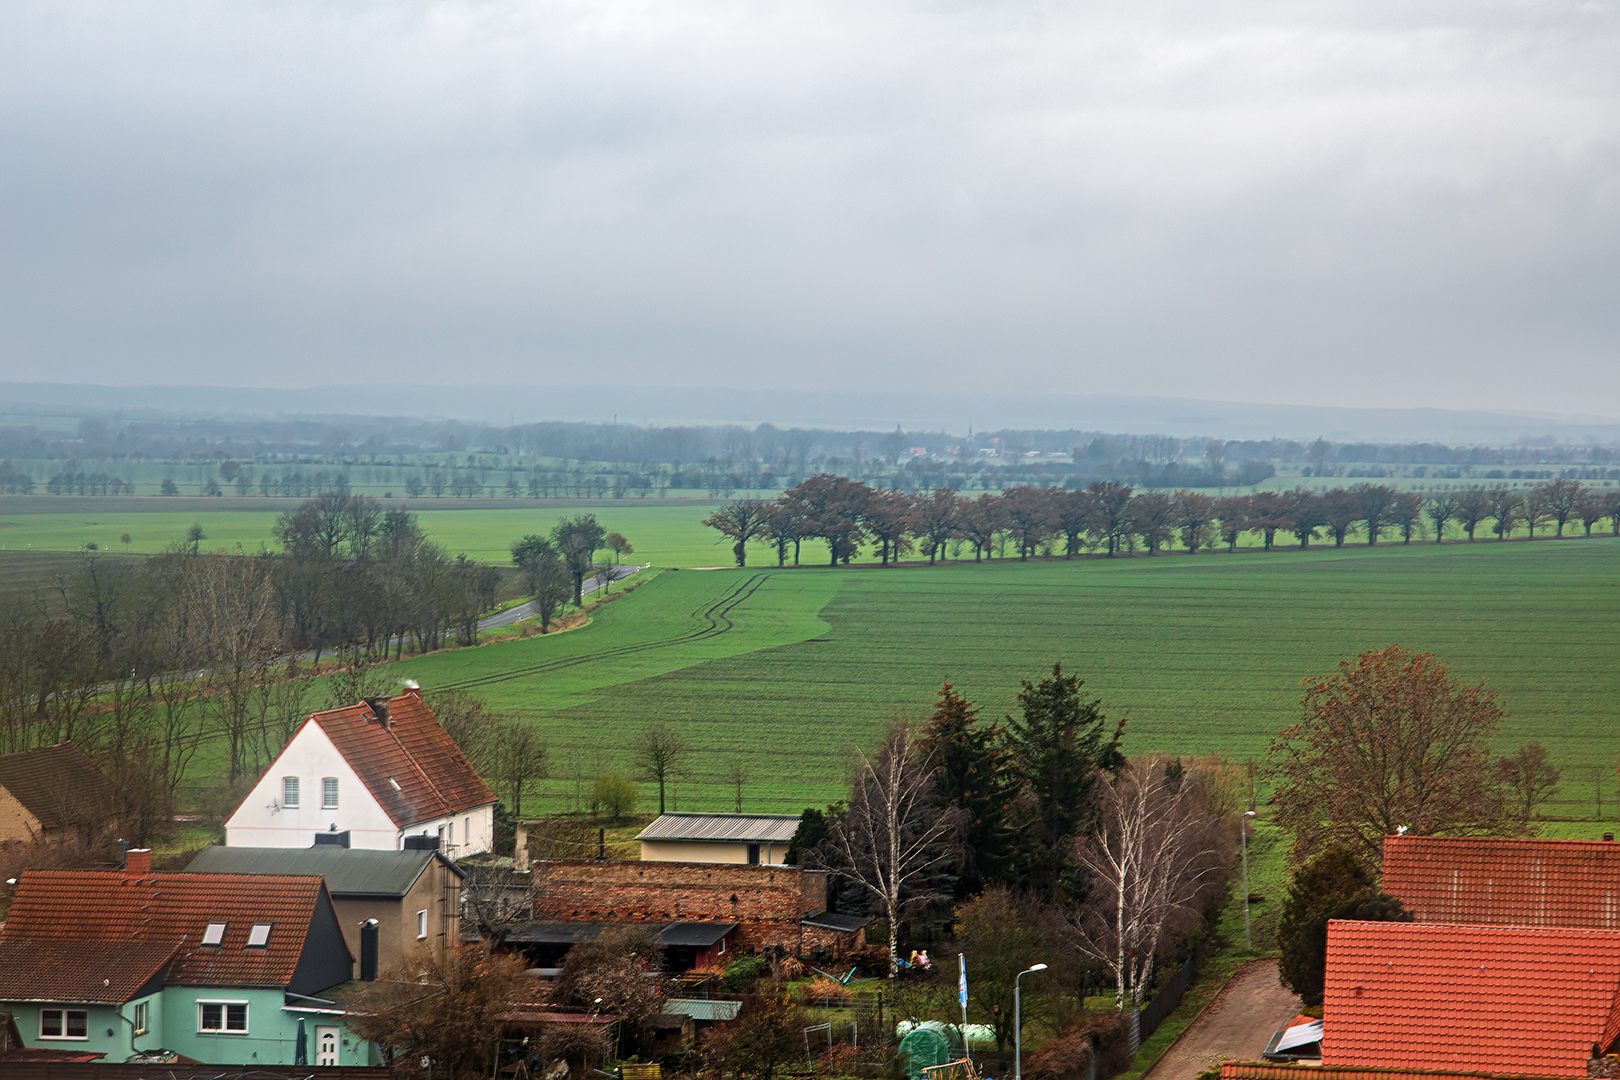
(289, 787)
(143, 1016)
(224, 1016)
(421, 925)
(329, 793)
(62, 1015)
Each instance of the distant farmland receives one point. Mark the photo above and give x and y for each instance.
(789, 671)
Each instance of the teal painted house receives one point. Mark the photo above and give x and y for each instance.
(224, 969)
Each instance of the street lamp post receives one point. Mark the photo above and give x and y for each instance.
(1244, 825)
(1018, 1022)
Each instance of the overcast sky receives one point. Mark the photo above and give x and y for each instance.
(1362, 203)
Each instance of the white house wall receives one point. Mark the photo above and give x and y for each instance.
(261, 820)
(477, 824)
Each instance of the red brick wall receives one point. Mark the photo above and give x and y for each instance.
(766, 901)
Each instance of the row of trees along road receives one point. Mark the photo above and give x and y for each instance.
(1112, 518)
(1036, 827)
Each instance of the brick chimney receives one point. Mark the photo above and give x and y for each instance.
(138, 861)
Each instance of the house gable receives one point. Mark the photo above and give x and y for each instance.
(326, 960)
(262, 820)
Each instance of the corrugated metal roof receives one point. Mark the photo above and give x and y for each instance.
(823, 920)
(1499, 998)
(348, 872)
(738, 828)
(699, 935)
(703, 1010)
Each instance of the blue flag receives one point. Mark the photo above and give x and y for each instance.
(961, 981)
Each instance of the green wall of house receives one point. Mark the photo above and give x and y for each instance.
(172, 1022)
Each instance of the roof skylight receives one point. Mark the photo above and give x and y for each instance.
(214, 934)
(259, 935)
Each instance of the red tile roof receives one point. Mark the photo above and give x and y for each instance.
(173, 911)
(1498, 998)
(1478, 880)
(1268, 1070)
(58, 784)
(108, 972)
(435, 778)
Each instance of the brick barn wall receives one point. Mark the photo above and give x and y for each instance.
(766, 901)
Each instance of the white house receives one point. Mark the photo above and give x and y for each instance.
(379, 770)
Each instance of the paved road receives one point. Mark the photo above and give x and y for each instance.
(524, 611)
(1237, 1024)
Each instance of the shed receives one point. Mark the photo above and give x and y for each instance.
(752, 839)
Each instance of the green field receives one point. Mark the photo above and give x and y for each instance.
(665, 532)
(791, 671)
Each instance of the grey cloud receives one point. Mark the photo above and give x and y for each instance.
(1361, 204)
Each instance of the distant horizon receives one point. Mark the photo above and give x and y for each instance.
(845, 409)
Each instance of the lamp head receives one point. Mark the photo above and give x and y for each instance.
(1036, 967)
(1248, 813)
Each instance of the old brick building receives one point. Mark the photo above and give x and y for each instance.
(767, 902)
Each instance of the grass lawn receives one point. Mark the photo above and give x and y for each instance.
(792, 671)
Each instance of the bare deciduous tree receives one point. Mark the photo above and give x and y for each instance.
(893, 833)
(657, 755)
(516, 758)
(1155, 851)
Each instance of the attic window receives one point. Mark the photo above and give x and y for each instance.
(259, 935)
(214, 934)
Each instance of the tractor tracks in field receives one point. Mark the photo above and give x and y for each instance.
(714, 620)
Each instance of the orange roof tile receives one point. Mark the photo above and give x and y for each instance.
(173, 911)
(109, 972)
(1269, 1070)
(435, 778)
(1498, 998)
(1501, 882)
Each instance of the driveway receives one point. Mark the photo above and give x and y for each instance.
(1237, 1024)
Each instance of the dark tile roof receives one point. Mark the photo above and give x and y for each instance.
(174, 910)
(107, 972)
(412, 767)
(348, 872)
(699, 935)
(1572, 883)
(1499, 998)
(58, 784)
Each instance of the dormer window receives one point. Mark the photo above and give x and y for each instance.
(214, 934)
(259, 936)
(289, 792)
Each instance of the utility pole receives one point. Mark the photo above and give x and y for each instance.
(1243, 823)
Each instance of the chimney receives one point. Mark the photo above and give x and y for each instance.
(1608, 838)
(379, 709)
(421, 843)
(138, 861)
(368, 950)
(335, 839)
(412, 688)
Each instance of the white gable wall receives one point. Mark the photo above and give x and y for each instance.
(465, 834)
(262, 821)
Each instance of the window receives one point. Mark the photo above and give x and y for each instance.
(466, 830)
(140, 1018)
(446, 841)
(421, 925)
(225, 1016)
(329, 793)
(289, 792)
(259, 936)
(214, 934)
(64, 1024)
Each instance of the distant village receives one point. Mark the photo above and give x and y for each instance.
(357, 902)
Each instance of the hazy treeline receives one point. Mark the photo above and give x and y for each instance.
(850, 516)
(370, 439)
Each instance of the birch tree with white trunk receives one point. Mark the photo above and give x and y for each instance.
(893, 836)
(1157, 848)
